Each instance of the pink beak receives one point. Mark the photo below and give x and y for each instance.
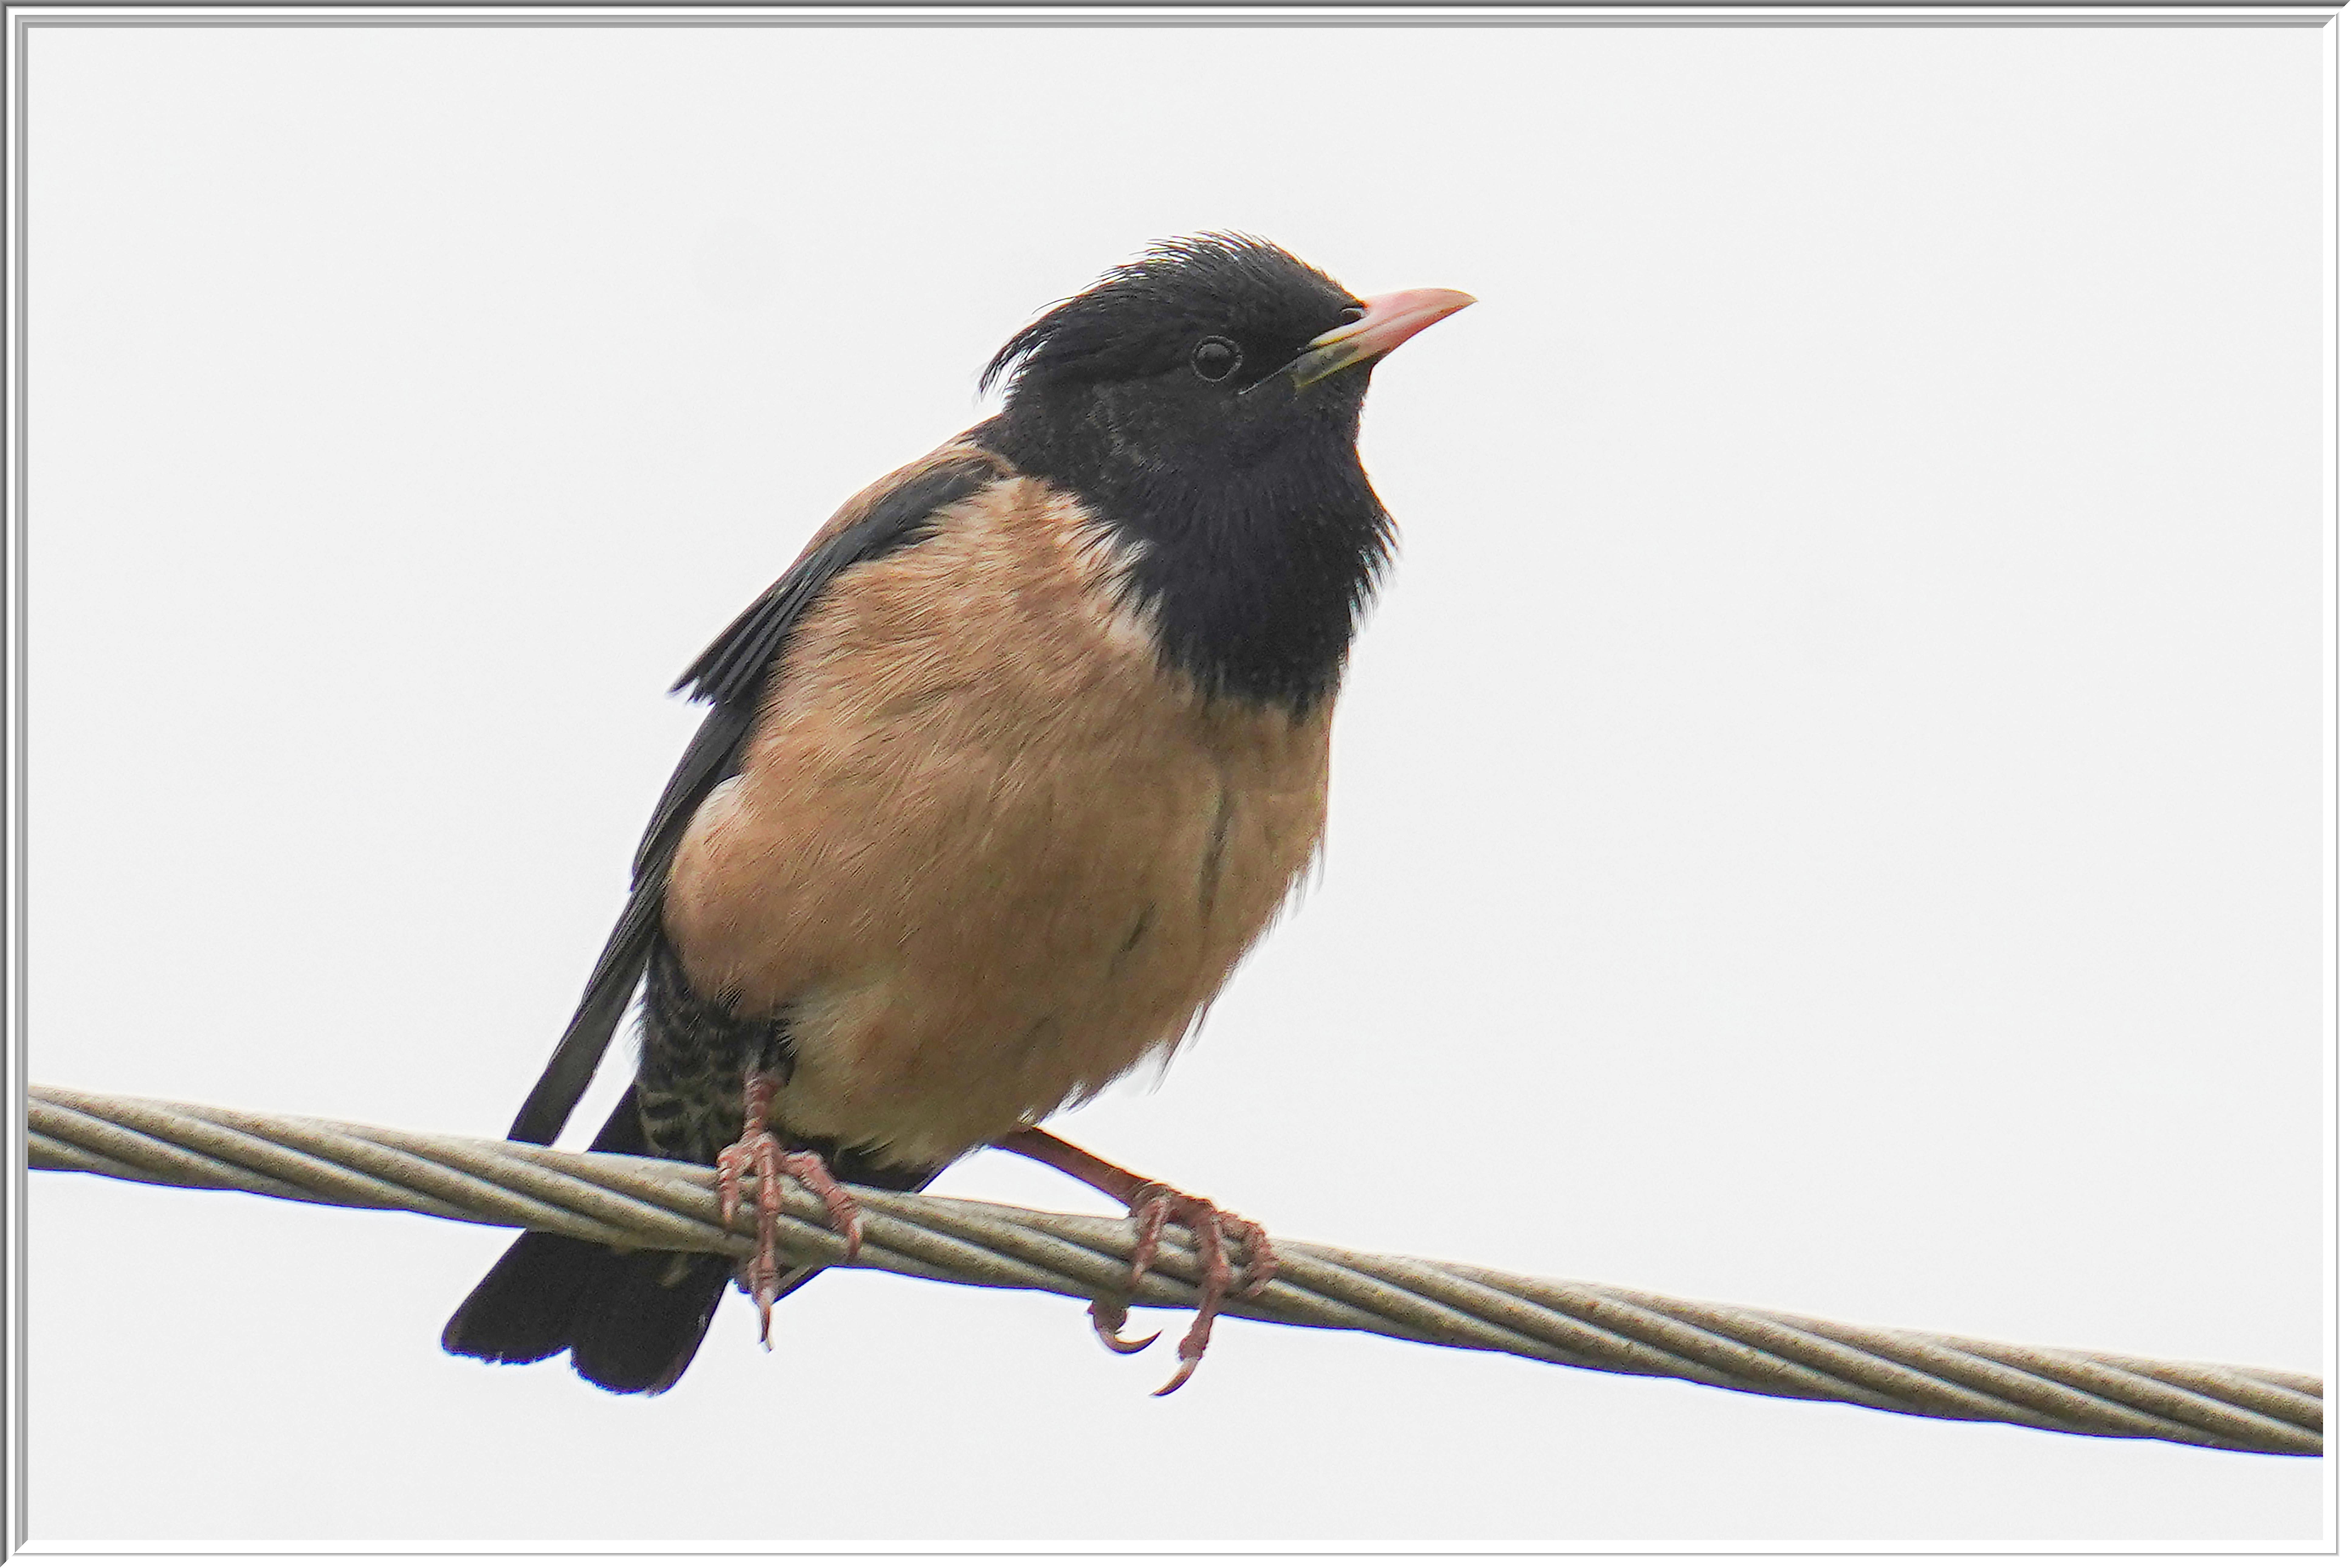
(1388, 319)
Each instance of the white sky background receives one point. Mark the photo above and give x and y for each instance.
(1827, 813)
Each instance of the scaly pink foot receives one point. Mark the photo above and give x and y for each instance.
(1151, 1205)
(760, 1154)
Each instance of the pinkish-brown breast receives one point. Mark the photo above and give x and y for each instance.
(985, 851)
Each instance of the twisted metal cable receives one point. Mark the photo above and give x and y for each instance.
(629, 1201)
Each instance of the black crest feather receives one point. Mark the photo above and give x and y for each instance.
(1182, 287)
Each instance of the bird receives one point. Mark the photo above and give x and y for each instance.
(998, 784)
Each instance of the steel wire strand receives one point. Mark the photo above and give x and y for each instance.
(627, 1200)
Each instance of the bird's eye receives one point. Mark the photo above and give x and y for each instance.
(1215, 358)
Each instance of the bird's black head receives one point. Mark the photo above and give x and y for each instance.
(1204, 402)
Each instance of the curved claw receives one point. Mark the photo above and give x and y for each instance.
(764, 1293)
(1183, 1375)
(1106, 1330)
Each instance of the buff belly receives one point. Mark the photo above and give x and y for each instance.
(980, 882)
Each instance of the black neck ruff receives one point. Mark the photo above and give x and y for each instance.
(1254, 574)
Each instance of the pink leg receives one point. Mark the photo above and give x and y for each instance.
(1151, 1205)
(759, 1152)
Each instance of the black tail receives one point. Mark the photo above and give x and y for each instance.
(632, 1321)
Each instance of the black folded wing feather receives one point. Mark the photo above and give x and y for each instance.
(732, 675)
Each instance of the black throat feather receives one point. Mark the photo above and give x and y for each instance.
(1255, 569)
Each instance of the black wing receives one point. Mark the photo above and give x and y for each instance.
(732, 676)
